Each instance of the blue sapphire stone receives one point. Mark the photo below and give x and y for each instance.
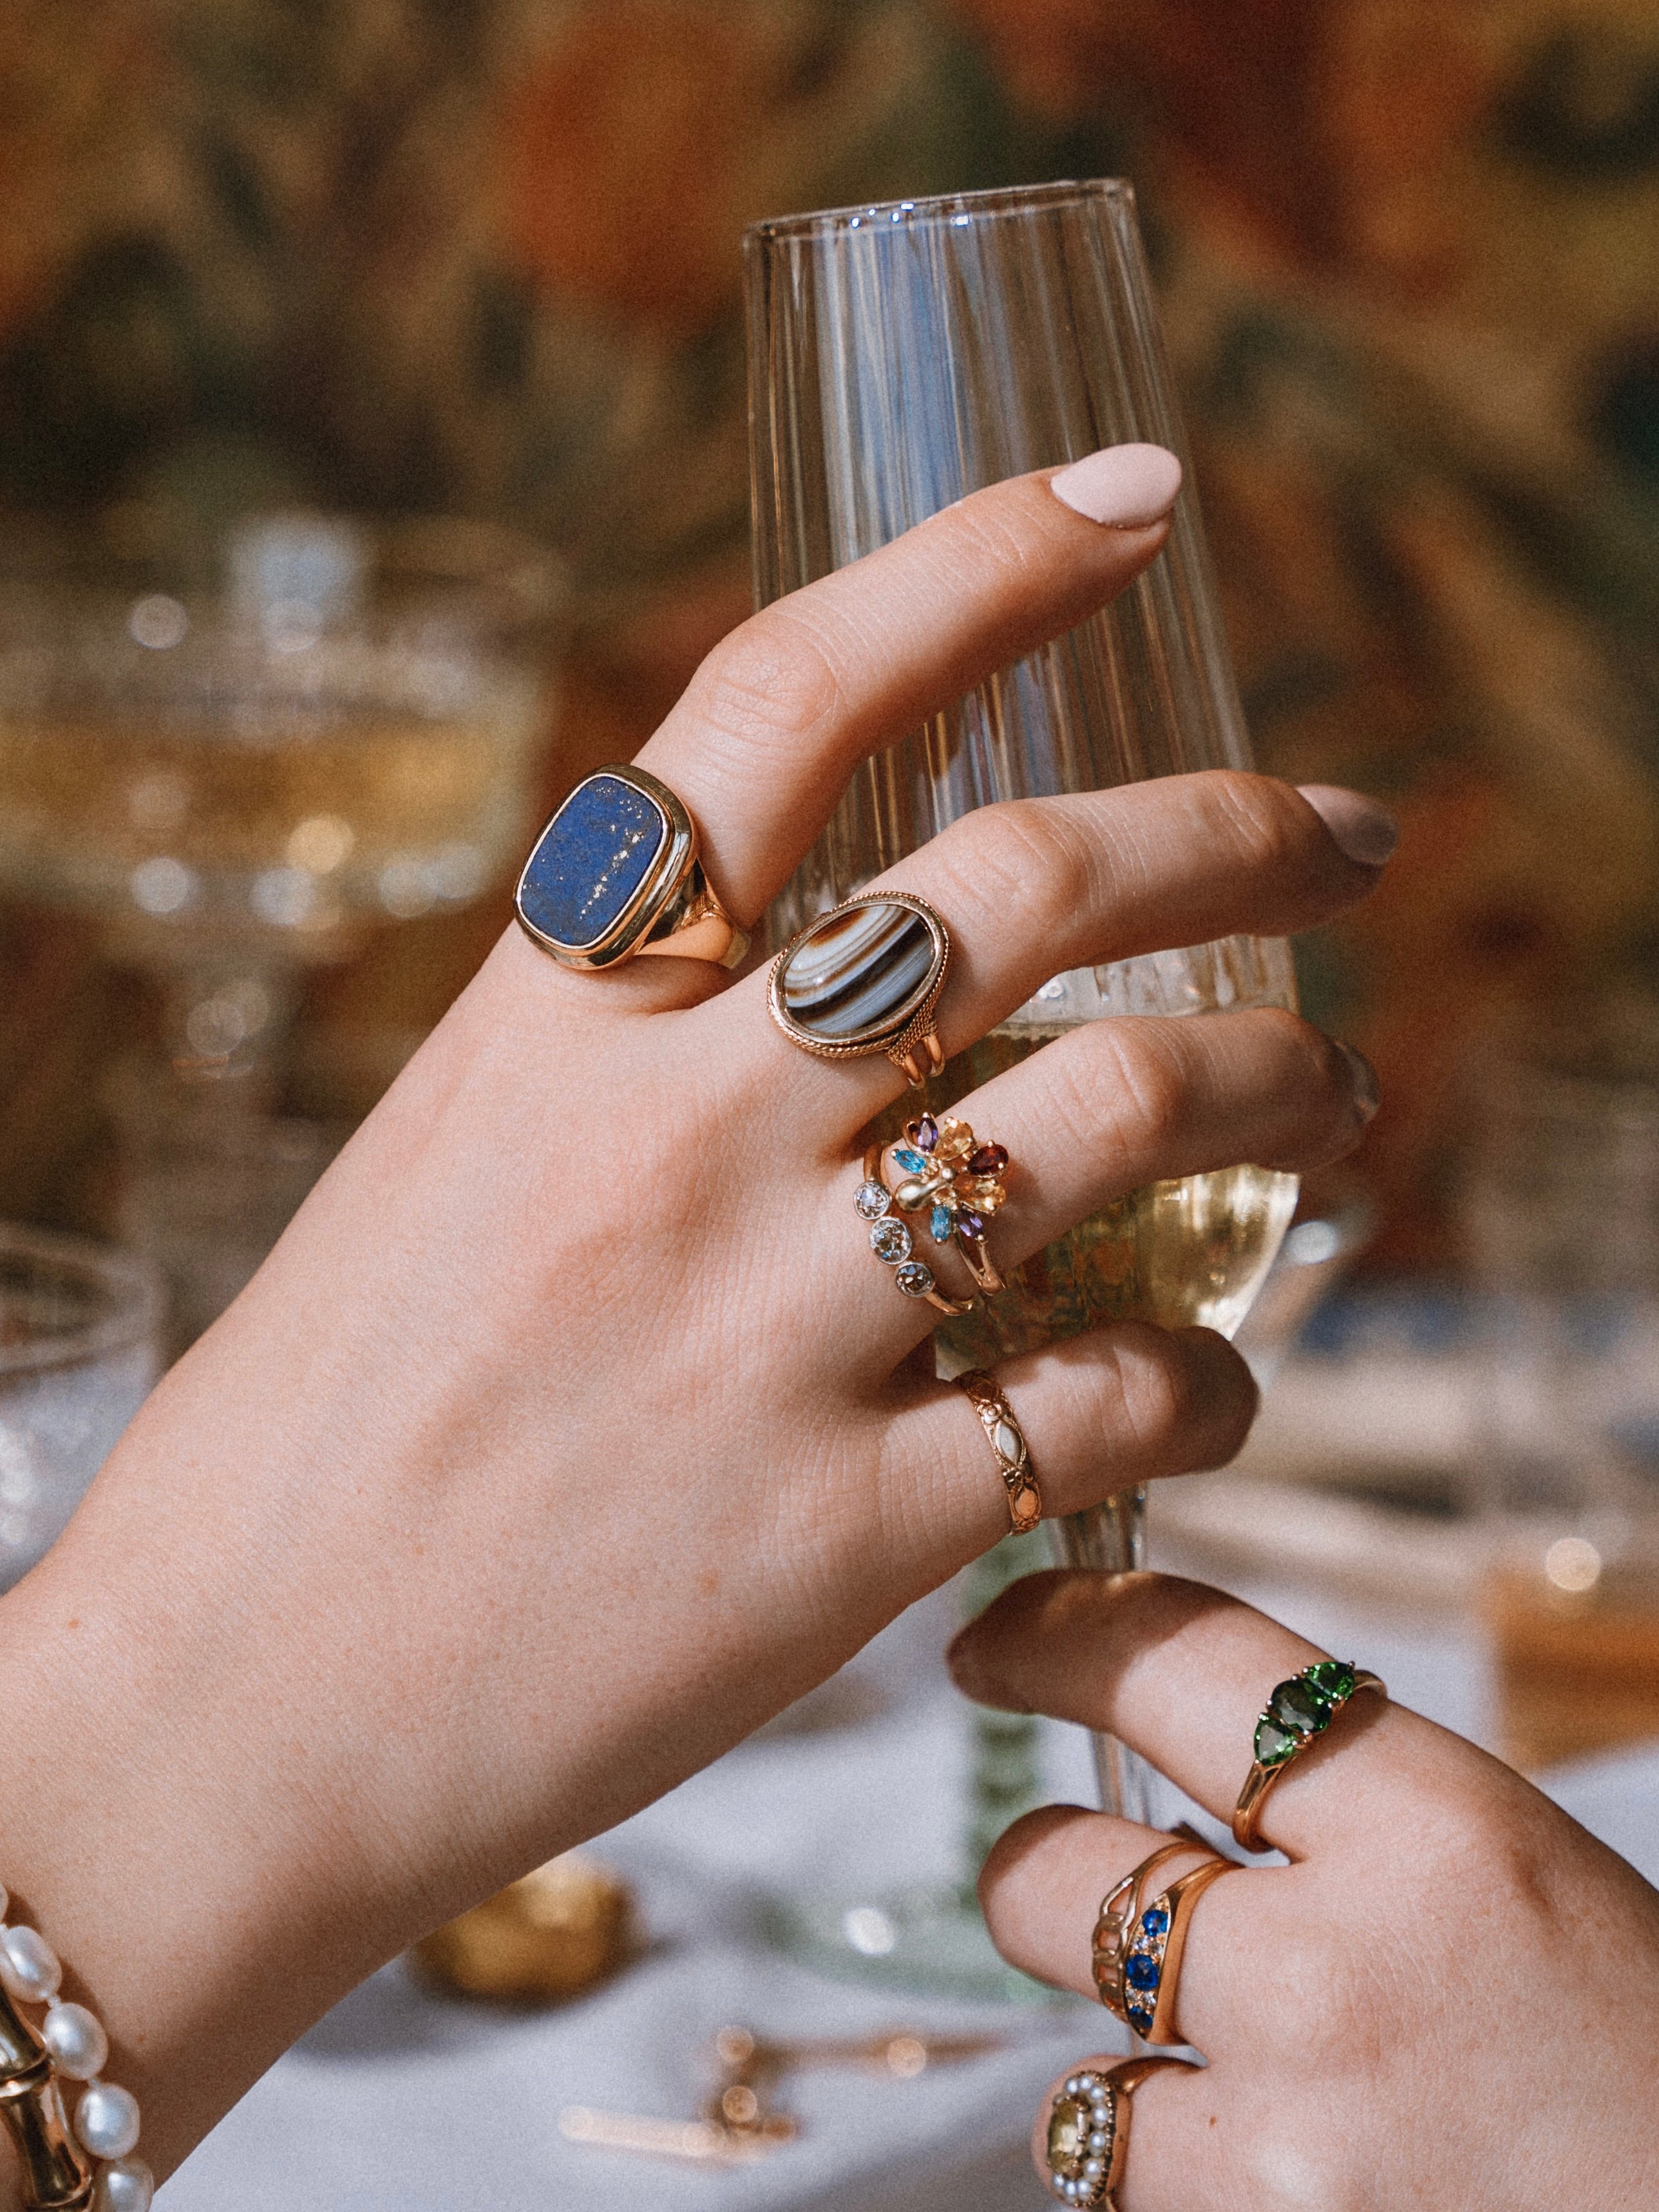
(593, 857)
(912, 1162)
(1140, 2018)
(941, 1222)
(1141, 1973)
(1156, 1922)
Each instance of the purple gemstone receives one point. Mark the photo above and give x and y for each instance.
(970, 1225)
(988, 1160)
(925, 1132)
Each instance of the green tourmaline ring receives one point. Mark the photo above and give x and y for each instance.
(1297, 1712)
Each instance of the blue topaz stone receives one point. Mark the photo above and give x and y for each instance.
(591, 861)
(941, 1224)
(913, 1163)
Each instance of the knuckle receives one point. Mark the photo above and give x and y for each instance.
(773, 677)
(1153, 1385)
(1259, 817)
(1019, 857)
(1142, 1086)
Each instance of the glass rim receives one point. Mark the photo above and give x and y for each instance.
(941, 207)
(130, 1285)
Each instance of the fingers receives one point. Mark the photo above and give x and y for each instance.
(1101, 1412)
(1042, 1887)
(1115, 1105)
(1030, 889)
(1180, 1672)
(761, 746)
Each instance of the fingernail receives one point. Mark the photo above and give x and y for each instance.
(1127, 486)
(962, 1660)
(1366, 832)
(1367, 1096)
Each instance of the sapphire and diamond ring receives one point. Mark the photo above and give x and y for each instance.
(1151, 1957)
(864, 978)
(1297, 1714)
(1119, 1921)
(1085, 2141)
(616, 872)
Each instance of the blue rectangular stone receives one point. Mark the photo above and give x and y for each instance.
(591, 860)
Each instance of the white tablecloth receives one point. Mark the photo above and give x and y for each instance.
(398, 2103)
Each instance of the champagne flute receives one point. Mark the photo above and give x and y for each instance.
(900, 356)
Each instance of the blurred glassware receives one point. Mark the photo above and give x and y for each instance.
(80, 1347)
(903, 357)
(241, 773)
(1561, 1220)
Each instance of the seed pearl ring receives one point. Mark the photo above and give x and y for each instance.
(1086, 2142)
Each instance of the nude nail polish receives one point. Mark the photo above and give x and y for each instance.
(1366, 832)
(1126, 487)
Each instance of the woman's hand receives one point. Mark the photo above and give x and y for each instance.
(572, 1429)
(1449, 1998)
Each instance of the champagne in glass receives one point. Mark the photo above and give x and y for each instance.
(901, 357)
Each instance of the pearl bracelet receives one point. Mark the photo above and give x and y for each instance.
(56, 2156)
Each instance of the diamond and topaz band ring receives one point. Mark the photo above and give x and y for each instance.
(892, 1241)
(996, 1418)
(1298, 1712)
(864, 978)
(1085, 2145)
(616, 873)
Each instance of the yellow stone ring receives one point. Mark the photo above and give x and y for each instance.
(1082, 2137)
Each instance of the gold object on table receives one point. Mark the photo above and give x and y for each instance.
(737, 2125)
(546, 1938)
(1007, 1440)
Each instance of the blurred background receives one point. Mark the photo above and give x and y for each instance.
(479, 258)
(378, 366)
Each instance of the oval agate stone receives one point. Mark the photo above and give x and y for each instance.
(861, 974)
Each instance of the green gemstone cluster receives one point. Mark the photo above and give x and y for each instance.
(1300, 1709)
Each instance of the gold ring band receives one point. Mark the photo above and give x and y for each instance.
(1297, 1715)
(1007, 1440)
(1085, 2141)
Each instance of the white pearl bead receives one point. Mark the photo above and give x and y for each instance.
(75, 2039)
(127, 2185)
(28, 1965)
(106, 2120)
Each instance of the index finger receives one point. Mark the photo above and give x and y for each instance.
(773, 724)
(1181, 1673)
